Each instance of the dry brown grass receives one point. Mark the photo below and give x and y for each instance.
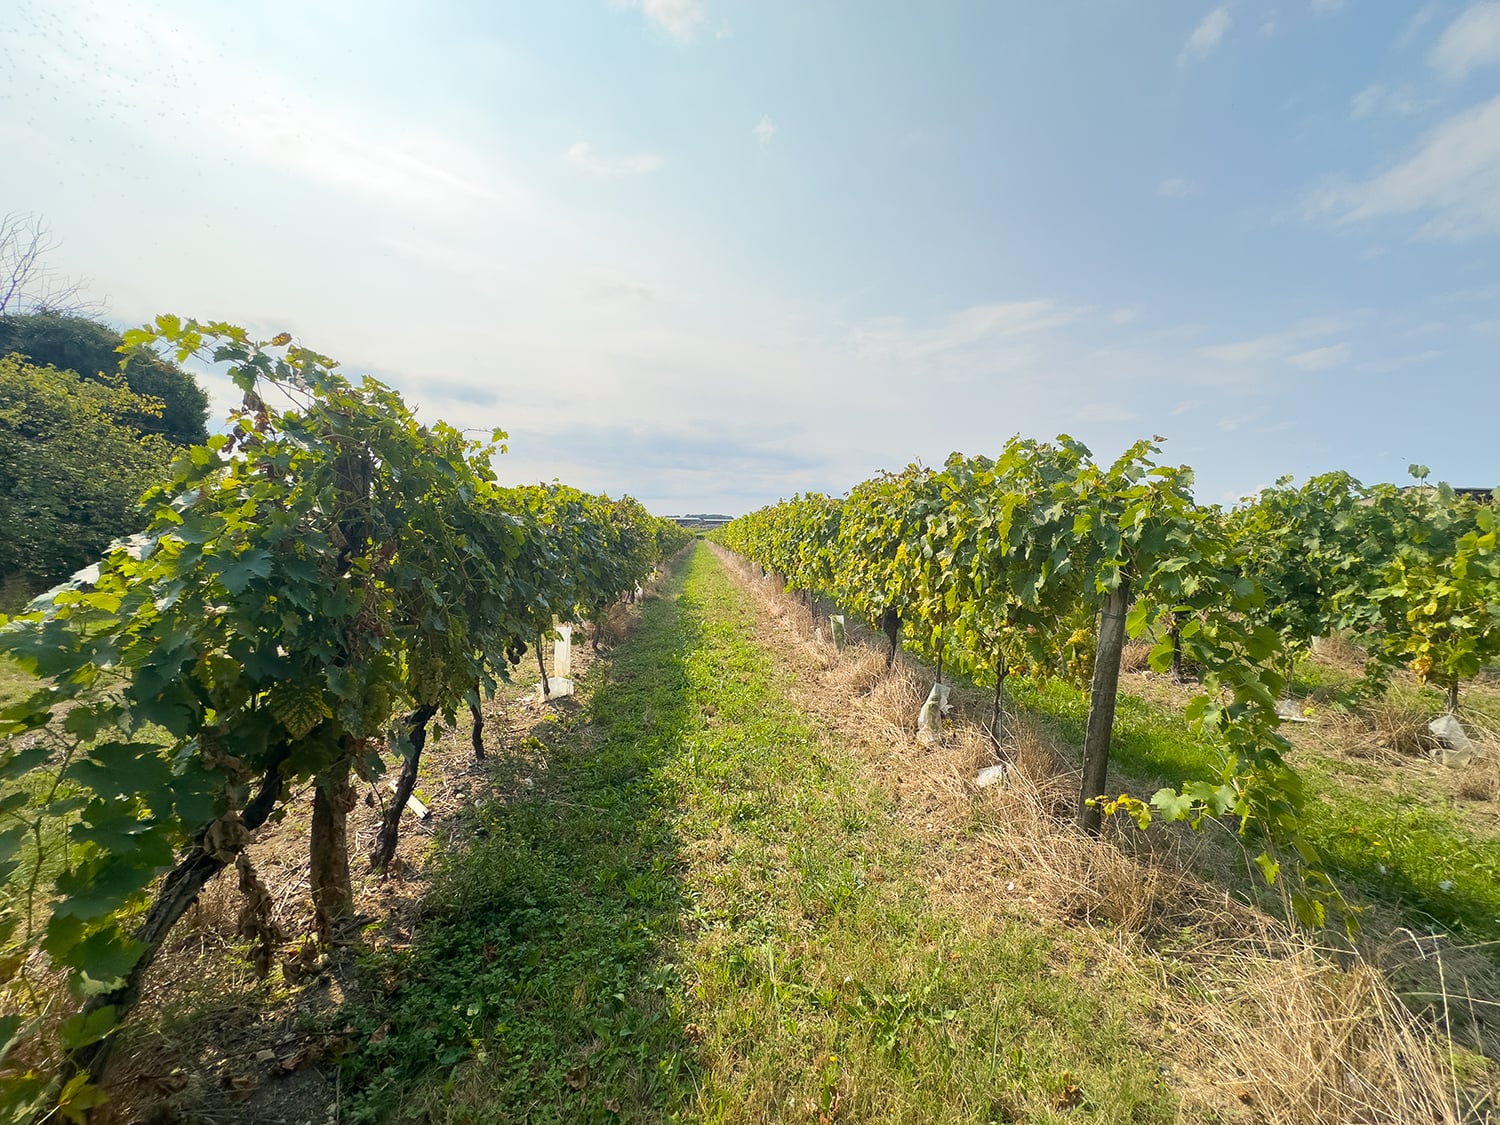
(1307, 1040)
(1135, 657)
(1385, 730)
(1341, 651)
(1481, 780)
(1264, 1025)
(1451, 986)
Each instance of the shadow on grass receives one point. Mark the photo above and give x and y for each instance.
(540, 986)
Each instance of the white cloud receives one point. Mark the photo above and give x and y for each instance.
(583, 157)
(765, 130)
(1124, 316)
(1366, 101)
(1206, 35)
(1454, 176)
(1246, 351)
(976, 327)
(1399, 101)
(1472, 40)
(678, 18)
(1175, 187)
(1322, 359)
(1420, 19)
(162, 82)
(1275, 346)
(1380, 367)
(1185, 406)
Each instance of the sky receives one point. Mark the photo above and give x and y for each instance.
(716, 252)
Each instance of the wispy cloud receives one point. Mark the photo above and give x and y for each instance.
(765, 130)
(1322, 359)
(1381, 366)
(1255, 350)
(1420, 19)
(1124, 316)
(164, 82)
(1288, 345)
(1206, 36)
(678, 18)
(979, 326)
(583, 157)
(1175, 187)
(613, 286)
(1454, 177)
(1472, 40)
(1398, 101)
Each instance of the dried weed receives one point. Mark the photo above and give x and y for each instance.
(1308, 1040)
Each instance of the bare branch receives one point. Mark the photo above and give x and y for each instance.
(27, 283)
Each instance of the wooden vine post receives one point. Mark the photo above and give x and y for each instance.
(1102, 695)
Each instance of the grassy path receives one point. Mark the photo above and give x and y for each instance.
(699, 910)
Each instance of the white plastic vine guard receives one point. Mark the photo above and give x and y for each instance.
(990, 775)
(560, 688)
(930, 718)
(1454, 746)
(562, 651)
(840, 632)
(416, 806)
(1289, 712)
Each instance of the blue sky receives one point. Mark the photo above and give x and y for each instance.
(713, 252)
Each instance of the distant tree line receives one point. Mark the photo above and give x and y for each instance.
(82, 436)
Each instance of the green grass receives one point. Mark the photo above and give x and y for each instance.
(1398, 847)
(704, 914)
(15, 684)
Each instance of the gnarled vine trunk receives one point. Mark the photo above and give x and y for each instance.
(328, 850)
(179, 890)
(390, 823)
(476, 731)
(890, 624)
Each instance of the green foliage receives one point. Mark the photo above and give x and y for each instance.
(1431, 602)
(1004, 563)
(72, 469)
(1414, 571)
(1303, 545)
(301, 581)
(91, 349)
